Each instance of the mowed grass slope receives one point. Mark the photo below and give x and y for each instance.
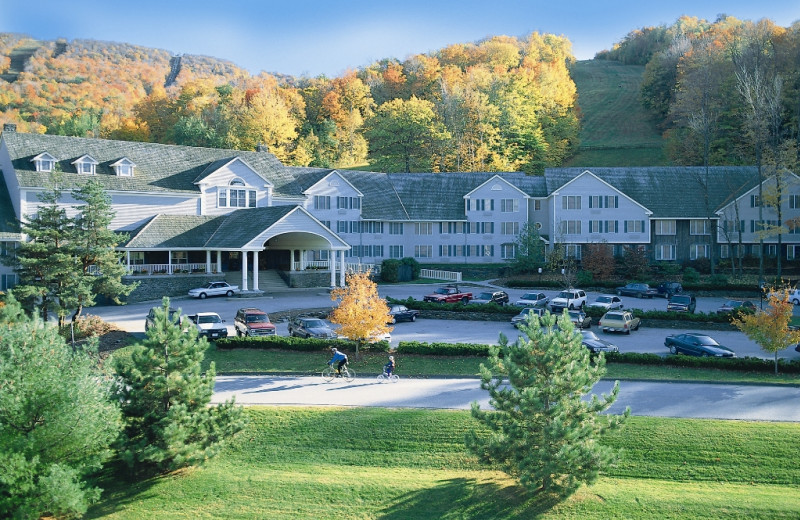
(616, 130)
(364, 463)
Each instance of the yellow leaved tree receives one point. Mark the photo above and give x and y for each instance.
(362, 315)
(770, 327)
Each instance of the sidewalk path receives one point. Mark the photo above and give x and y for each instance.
(690, 400)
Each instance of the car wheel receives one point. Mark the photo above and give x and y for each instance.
(637, 326)
(795, 302)
(229, 294)
(619, 293)
(465, 300)
(413, 317)
(238, 333)
(571, 307)
(673, 349)
(628, 332)
(394, 320)
(203, 296)
(640, 295)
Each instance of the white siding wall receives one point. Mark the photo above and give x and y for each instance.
(221, 179)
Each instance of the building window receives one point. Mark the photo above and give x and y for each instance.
(423, 251)
(665, 252)
(451, 228)
(570, 227)
(699, 227)
(370, 251)
(348, 203)
(7, 248)
(571, 202)
(322, 202)
(179, 257)
(794, 201)
(697, 251)
(509, 205)
(8, 281)
(395, 228)
(792, 252)
(595, 226)
(509, 228)
(724, 251)
(481, 204)
(44, 162)
(772, 250)
(367, 227)
(603, 201)
(537, 205)
(573, 251)
(236, 198)
(395, 251)
(634, 226)
(481, 228)
(611, 226)
(452, 250)
(480, 251)
(423, 228)
(754, 201)
(124, 167)
(665, 227)
(326, 223)
(508, 251)
(342, 226)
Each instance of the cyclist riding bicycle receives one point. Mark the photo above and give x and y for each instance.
(388, 368)
(341, 357)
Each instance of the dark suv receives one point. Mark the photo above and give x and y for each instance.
(150, 320)
(250, 321)
(307, 327)
(682, 303)
(498, 297)
(668, 289)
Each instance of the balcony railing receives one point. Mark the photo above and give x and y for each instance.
(155, 269)
(349, 267)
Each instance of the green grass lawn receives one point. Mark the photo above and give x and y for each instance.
(239, 361)
(364, 463)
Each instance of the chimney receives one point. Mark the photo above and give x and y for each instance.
(261, 148)
(9, 127)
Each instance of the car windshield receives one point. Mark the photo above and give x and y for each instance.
(706, 340)
(680, 299)
(314, 323)
(733, 303)
(256, 318)
(565, 294)
(209, 285)
(442, 290)
(530, 296)
(484, 296)
(398, 309)
(604, 299)
(588, 334)
(209, 319)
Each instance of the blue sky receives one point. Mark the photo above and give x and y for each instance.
(302, 37)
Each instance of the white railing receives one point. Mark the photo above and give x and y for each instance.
(450, 276)
(148, 269)
(350, 268)
(363, 268)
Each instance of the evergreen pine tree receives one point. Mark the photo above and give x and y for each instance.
(541, 429)
(165, 397)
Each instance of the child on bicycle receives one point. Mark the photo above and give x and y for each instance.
(341, 357)
(388, 368)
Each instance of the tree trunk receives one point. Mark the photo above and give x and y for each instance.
(776, 362)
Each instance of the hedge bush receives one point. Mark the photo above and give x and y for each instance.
(744, 364)
(292, 343)
(442, 349)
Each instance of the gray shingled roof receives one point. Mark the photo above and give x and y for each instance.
(159, 168)
(230, 231)
(669, 192)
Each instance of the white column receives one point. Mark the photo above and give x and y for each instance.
(343, 268)
(332, 262)
(255, 270)
(219, 261)
(208, 261)
(291, 259)
(169, 262)
(244, 270)
(128, 261)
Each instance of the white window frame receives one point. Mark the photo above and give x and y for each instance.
(659, 252)
(423, 251)
(571, 227)
(571, 202)
(395, 251)
(573, 251)
(423, 228)
(509, 228)
(396, 228)
(322, 202)
(696, 223)
(665, 227)
(508, 251)
(509, 205)
(695, 249)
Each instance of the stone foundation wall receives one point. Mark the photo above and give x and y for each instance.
(305, 279)
(155, 287)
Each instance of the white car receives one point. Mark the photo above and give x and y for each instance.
(568, 299)
(209, 324)
(214, 289)
(532, 299)
(607, 302)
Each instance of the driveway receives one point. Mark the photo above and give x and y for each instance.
(690, 400)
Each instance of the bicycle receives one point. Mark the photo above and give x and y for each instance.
(329, 374)
(385, 377)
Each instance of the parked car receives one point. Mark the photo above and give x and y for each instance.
(386, 336)
(523, 315)
(580, 319)
(402, 313)
(250, 321)
(737, 306)
(607, 301)
(638, 290)
(209, 324)
(214, 289)
(682, 303)
(308, 327)
(619, 321)
(696, 344)
(568, 299)
(448, 294)
(498, 297)
(532, 299)
(669, 289)
(150, 319)
(595, 344)
(792, 295)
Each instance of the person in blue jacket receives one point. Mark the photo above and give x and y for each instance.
(341, 357)
(389, 367)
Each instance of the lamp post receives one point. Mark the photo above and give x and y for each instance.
(564, 275)
(540, 276)
(761, 293)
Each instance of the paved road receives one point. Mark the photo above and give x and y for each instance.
(712, 401)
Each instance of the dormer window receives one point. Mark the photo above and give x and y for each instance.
(86, 165)
(44, 162)
(124, 167)
(236, 195)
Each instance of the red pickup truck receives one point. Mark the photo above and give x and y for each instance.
(448, 294)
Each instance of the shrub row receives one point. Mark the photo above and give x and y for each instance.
(297, 344)
(745, 364)
(442, 349)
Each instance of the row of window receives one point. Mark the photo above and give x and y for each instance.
(574, 227)
(424, 228)
(86, 164)
(595, 201)
(506, 205)
(323, 202)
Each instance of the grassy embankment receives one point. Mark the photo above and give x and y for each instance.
(397, 464)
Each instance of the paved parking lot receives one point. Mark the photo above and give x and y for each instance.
(648, 340)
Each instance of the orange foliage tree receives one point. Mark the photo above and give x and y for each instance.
(770, 328)
(362, 315)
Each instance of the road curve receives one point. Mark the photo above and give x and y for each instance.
(657, 399)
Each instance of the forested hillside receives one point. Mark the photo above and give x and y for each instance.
(500, 104)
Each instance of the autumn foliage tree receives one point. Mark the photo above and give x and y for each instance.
(362, 314)
(770, 328)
